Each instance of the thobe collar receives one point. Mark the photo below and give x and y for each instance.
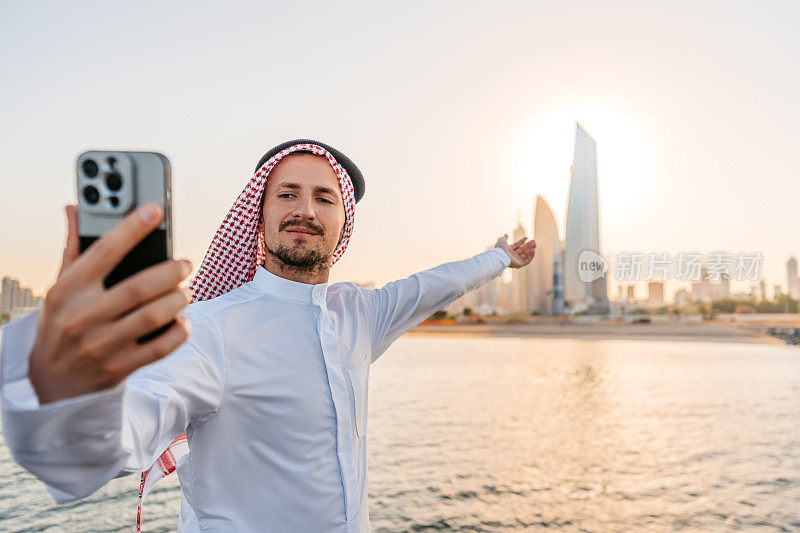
(288, 289)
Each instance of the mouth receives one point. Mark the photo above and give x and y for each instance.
(297, 232)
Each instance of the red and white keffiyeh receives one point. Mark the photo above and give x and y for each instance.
(231, 261)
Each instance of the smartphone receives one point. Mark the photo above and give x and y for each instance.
(111, 184)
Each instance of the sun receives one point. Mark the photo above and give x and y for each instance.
(544, 155)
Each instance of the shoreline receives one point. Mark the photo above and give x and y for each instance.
(693, 332)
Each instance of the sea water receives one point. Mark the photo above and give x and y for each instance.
(512, 434)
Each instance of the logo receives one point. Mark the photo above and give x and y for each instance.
(591, 266)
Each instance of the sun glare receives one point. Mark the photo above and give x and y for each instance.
(544, 156)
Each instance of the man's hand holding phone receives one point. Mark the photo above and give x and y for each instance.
(87, 335)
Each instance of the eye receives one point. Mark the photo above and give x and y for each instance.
(285, 195)
(326, 200)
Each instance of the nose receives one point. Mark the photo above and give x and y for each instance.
(304, 208)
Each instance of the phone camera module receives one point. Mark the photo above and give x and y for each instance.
(89, 168)
(113, 181)
(91, 194)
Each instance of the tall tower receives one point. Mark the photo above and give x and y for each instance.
(548, 244)
(583, 224)
(791, 274)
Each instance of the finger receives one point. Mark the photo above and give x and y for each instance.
(519, 243)
(71, 247)
(152, 351)
(140, 288)
(530, 252)
(107, 251)
(145, 319)
(528, 249)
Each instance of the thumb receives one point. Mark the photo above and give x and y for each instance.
(71, 248)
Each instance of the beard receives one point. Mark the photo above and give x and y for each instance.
(299, 258)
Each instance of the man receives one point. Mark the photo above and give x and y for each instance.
(270, 387)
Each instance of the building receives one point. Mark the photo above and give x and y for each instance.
(15, 299)
(791, 278)
(11, 295)
(548, 245)
(559, 305)
(655, 294)
(706, 291)
(631, 296)
(583, 227)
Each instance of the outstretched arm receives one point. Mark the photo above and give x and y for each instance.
(400, 305)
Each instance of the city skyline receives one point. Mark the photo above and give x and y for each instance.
(532, 289)
(538, 289)
(15, 298)
(452, 144)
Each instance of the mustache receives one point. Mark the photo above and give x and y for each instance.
(304, 225)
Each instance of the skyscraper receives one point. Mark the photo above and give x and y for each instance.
(548, 244)
(791, 274)
(583, 226)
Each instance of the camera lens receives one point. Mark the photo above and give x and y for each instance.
(114, 201)
(113, 181)
(89, 168)
(91, 194)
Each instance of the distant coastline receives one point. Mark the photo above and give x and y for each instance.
(725, 330)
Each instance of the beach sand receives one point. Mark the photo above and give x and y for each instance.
(675, 331)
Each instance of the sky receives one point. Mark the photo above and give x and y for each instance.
(458, 114)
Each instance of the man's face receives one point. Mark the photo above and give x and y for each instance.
(303, 212)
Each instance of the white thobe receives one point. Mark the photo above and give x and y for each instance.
(270, 389)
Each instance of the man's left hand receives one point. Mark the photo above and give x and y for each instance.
(521, 252)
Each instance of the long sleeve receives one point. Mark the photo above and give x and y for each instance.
(400, 305)
(78, 444)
